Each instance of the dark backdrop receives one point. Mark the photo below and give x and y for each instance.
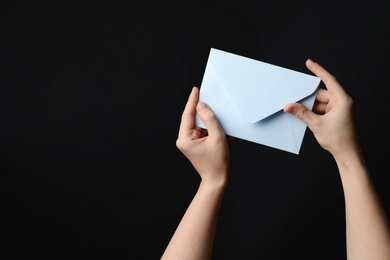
(91, 95)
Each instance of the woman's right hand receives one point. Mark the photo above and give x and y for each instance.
(332, 120)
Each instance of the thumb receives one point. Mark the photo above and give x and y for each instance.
(300, 111)
(209, 119)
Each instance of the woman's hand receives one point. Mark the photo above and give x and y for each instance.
(207, 150)
(332, 120)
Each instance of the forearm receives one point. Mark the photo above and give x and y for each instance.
(367, 227)
(194, 237)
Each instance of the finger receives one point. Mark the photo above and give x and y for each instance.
(319, 108)
(210, 120)
(188, 117)
(323, 95)
(301, 112)
(329, 80)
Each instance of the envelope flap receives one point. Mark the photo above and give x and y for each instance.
(259, 89)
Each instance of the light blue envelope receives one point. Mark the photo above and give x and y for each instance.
(248, 97)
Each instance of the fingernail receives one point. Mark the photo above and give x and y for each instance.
(202, 105)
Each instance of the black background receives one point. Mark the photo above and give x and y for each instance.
(91, 95)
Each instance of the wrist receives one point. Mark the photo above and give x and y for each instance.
(351, 163)
(348, 157)
(215, 181)
(215, 191)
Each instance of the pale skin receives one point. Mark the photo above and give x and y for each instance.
(332, 122)
(209, 154)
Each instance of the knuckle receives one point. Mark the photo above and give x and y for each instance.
(212, 118)
(209, 117)
(183, 145)
(331, 79)
(220, 138)
(179, 144)
(348, 101)
(300, 113)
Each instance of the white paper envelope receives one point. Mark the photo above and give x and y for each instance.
(248, 97)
